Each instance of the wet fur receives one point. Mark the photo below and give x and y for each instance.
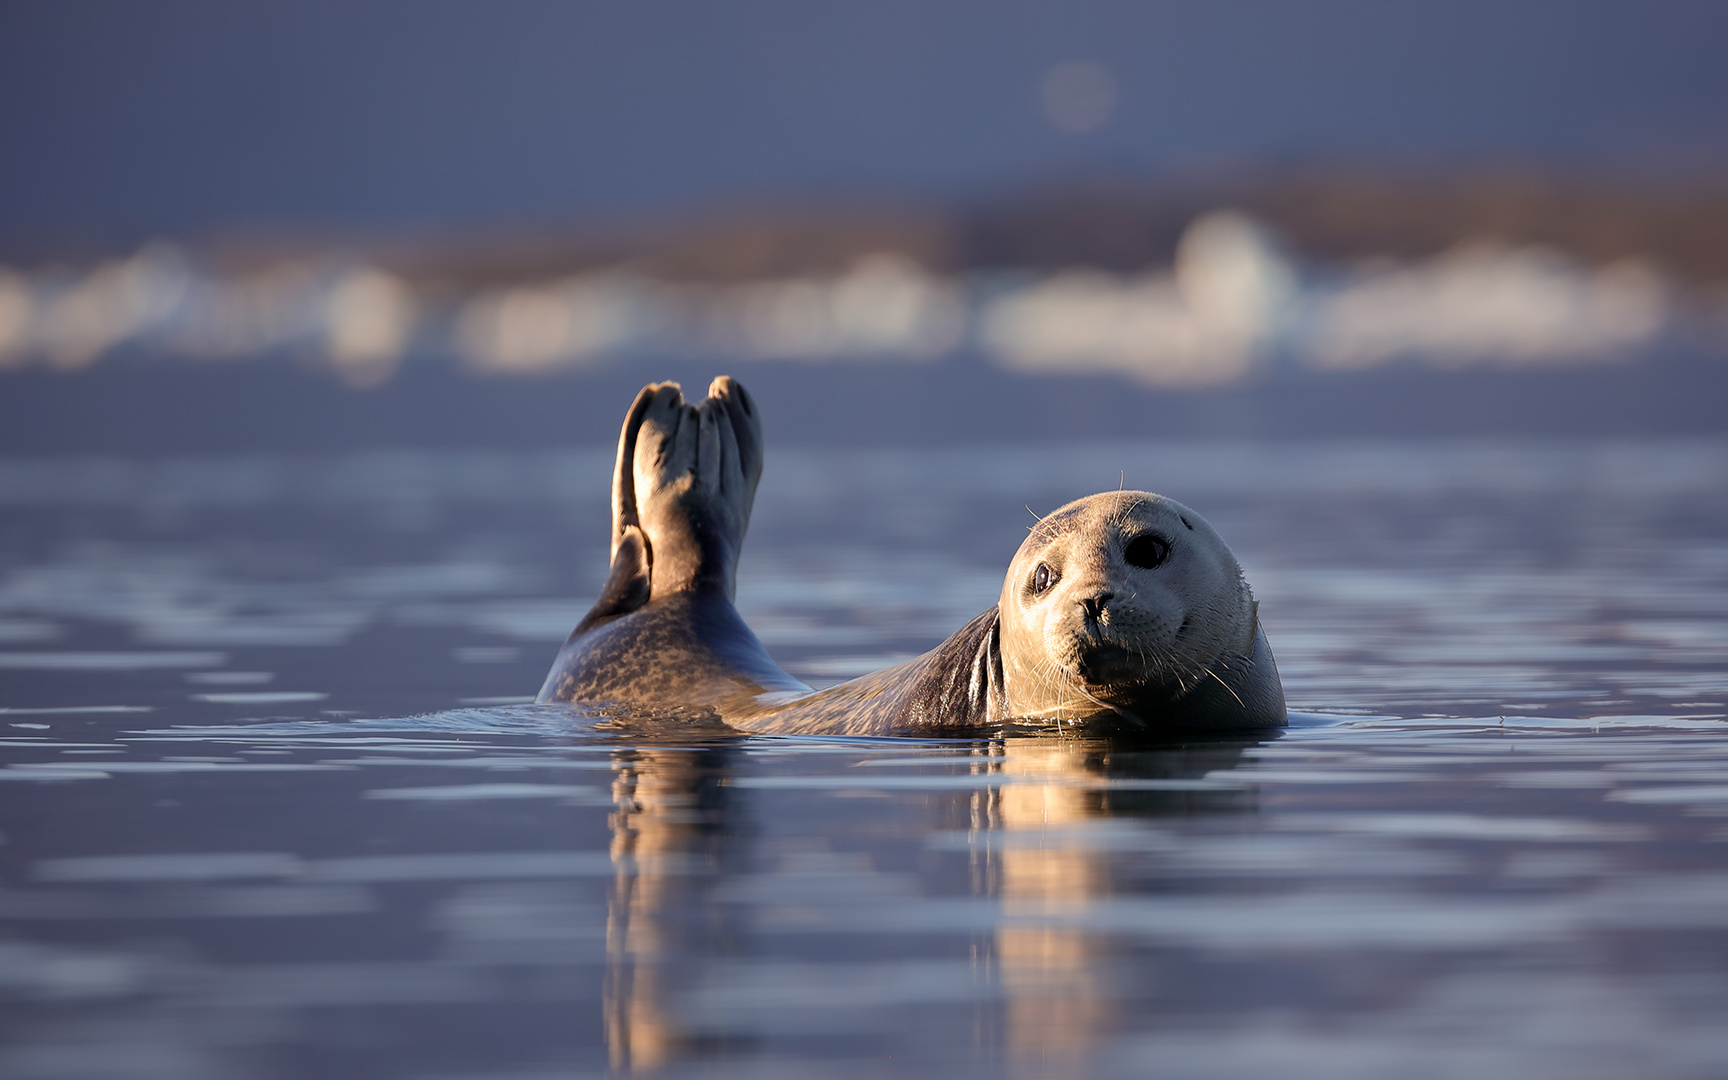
(664, 630)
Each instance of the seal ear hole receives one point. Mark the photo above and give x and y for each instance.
(1186, 522)
(1042, 578)
(1147, 551)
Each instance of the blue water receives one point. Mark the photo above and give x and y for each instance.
(274, 805)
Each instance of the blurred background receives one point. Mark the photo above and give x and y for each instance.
(326, 225)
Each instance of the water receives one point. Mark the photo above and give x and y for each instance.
(273, 804)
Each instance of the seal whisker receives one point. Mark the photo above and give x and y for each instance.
(1123, 713)
(1226, 686)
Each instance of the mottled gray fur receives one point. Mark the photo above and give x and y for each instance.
(1175, 646)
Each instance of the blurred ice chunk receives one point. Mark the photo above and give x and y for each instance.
(114, 302)
(1231, 298)
(1237, 280)
(17, 307)
(1083, 321)
(1233, 302)
(885, 306)
(1486, 302)
(226, 318)
(531, 328)
(370, 317)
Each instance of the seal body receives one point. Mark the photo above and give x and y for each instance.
(1122, 609)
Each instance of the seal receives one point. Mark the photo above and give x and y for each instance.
(1123, 609)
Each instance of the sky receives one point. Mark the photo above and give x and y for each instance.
(124, 120)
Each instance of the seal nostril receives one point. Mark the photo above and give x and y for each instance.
(1093, 606)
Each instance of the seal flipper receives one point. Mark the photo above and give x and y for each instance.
(629, 583)
(694, 473)
(745, 433)
(624, 465)
(664, 631)
(725, 460)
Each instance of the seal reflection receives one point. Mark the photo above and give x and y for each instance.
(668, 825)
(1054, 975)
(680, 829)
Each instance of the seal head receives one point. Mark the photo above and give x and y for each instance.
(1128, 604)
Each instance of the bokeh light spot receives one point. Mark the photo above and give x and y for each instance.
(1078, 95)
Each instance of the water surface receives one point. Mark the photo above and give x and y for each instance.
(274, 804)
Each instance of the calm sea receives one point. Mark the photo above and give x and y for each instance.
(273, 804)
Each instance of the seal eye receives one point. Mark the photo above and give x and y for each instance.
(1147, 551)
(1042, 579)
